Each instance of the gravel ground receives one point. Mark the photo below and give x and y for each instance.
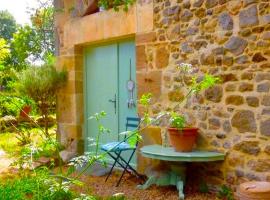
(97, 186)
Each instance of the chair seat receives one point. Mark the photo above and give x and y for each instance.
(115, 146)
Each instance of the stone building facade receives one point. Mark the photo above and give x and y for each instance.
(226, 38)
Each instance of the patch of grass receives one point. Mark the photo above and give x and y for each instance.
(9, 143)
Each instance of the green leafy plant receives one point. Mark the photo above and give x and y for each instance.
(116, 4)
(225, 193)
(41, 85)
(177, 121)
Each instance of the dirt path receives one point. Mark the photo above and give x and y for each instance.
(5, 162)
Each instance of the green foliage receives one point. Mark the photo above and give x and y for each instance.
(116, 4)
(41, 84)
(177, 121)
(7, 25)
(225, 193)
(36, 186)
(4, 50)
(207, 82)
(10, 105)
(145, 101)
(43, 24)
(25, 44)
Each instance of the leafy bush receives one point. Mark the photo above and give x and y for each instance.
(11, 105)
(41, 85)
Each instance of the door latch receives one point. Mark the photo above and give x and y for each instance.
(114, 102)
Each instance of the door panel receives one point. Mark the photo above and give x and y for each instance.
(101, 86)
(126, 54)
(107, 69)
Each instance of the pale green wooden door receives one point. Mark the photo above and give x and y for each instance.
(107, 70)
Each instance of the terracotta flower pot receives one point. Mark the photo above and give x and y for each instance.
(183, 140)
(24, 113)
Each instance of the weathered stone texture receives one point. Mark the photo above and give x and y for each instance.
(244, 121)
(249, 17)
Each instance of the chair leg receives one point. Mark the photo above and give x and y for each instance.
(115, 161)
(131, 168)
(125, 169)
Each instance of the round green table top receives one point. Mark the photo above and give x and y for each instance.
(169, 154)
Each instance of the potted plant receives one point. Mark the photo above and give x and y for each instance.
(181, 138)
(26, 108)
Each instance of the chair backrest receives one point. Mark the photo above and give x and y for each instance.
(132, 123)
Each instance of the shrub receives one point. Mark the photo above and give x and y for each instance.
(41, 84)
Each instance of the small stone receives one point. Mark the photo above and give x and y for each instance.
(246, 87)
(266, 111)
(262, 77)
(265, 127)
(234, 6)
(199, 44)
(225, 21)
(235, 159)
(211, 3)
(249, 17)
(186, 15)
(244, 121)
(228, 77)
(266, 19)
(249, 147)
(173, 32)
(227, 126)
(198, 3)
(221, 135)
(263, 44)
(234, 100)
(175, 96)
(214, 94)
(192, 30)
(266, 100)
(185, 47)
(252, 101)
(207, 59)
(171, 11)
(186, 4)
(242, 59)
(236, 45)
(263, 87)
(247, 76)
(257, 57)
(267, 149)
(162, 56)
(258, 29)
(248, 2)
(214, 124)
(245, 32)
(200, 13)
(218, 51)
(266, 35)
(227, 145)
(230, 88)
(239, 173)
(260, 165)
(228, 61)
(265, 66)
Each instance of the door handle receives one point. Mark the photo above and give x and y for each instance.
(114, 102)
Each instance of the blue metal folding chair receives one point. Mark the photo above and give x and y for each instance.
(114, 150)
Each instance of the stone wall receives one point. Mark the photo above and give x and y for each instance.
(231, 40)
